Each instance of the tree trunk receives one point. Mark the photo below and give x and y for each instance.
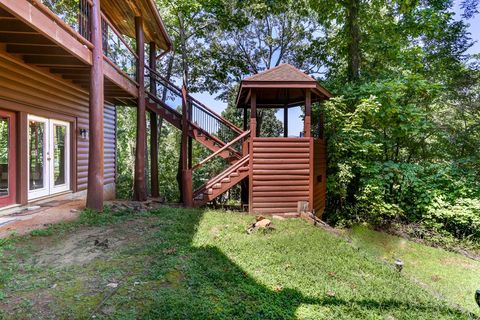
(165, 91)
(353, 31)
(185, 182)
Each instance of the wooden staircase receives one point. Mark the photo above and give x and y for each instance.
(203, 137)
(211, 130)
(223, 182)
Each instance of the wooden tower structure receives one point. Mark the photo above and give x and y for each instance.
(276, 173)
(286, 170)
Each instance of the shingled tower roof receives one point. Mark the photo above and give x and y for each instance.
(283, 85)
(282, 73)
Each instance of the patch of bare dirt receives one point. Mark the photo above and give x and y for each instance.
(451, 261)
(80, 247)
(38, 302)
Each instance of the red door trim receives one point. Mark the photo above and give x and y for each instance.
(12, 161)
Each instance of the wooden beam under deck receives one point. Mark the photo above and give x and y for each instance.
(69, 56)
(28, 49)
(51, 29)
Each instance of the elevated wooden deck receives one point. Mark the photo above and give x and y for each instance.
(31, 32)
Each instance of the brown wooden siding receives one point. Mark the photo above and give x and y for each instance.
(319, 180)
(29, 89)
(281, 174)
(110, 143)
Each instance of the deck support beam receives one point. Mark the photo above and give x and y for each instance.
(96, 120)
(308, 113)
(154, 126)
(245, 119)
(253, 135)
(139, 187)
(187, 188)
(245, 183)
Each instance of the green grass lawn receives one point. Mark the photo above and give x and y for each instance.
(188, 264)
(448, 274)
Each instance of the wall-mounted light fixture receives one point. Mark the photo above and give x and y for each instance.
(83, 133)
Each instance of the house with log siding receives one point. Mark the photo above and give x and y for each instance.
(66, 65)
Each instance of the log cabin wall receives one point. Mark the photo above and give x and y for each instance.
(281, 174)
(319, 178)
(27, 89)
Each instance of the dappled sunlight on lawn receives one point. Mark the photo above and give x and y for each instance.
(191, 264)
(449, 274)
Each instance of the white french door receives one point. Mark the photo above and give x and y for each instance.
(48, 156)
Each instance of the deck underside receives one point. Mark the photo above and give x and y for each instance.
(41, 41)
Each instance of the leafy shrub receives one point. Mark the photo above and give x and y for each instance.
(460, 219)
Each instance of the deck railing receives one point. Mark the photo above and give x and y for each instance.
(75, 13)
(199, 114)
(118, 49)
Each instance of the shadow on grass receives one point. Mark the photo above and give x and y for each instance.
(203, 283)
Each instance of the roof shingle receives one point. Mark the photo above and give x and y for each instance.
(282, 73)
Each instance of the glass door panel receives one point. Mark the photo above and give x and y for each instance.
(4, 139)
(7, 158)
(48, 156)
(60, 156)
(37, 157)
(59, 133)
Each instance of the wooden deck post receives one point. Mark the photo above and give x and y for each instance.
(96, 141)
(253, 134)
(245, 119)
(320, 125)
(308, 113)
(244, 185)
(285, 121)
(153, 126)
(139, 189)
(187, 192)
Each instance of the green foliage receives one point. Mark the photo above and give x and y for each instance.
(42, 232)
(460, 219)
(126, 132)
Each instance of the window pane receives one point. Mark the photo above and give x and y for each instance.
(37, 154)
(4, 138)
(59, 160)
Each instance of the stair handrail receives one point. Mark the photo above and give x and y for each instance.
(222, 175)
(219, 142)
(195, 101)
(225, 147)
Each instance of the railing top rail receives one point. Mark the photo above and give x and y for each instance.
(225, 147)
(119, 35)
(159, 77)
(193, 125)
(198, 103)
(63, 24)
(223, 175)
